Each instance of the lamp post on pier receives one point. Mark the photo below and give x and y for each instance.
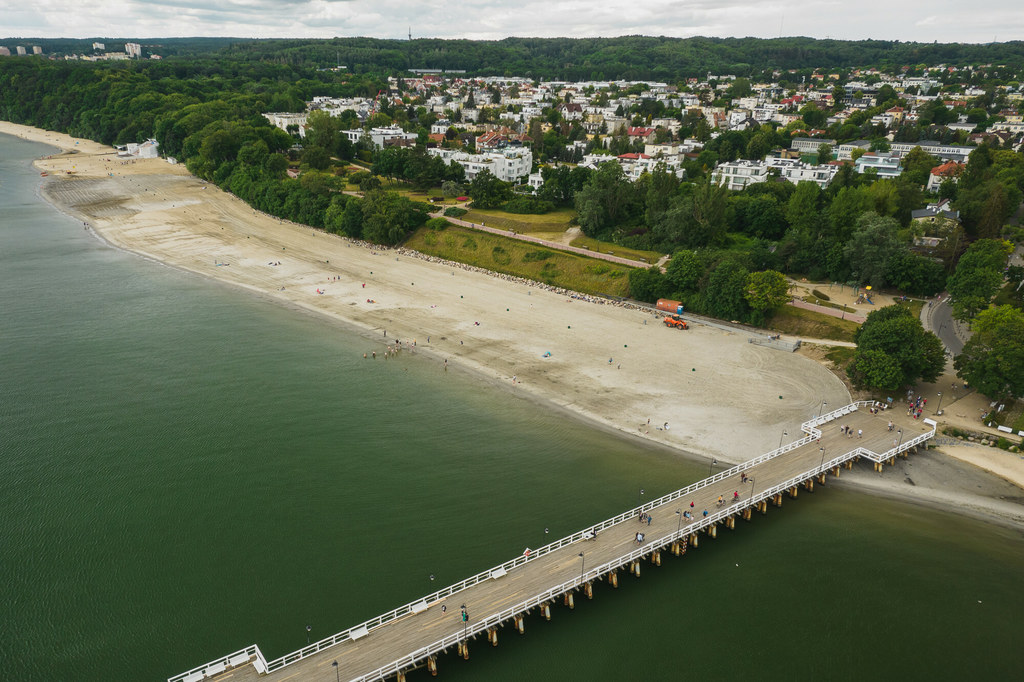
(751, 491)
(822, 463)
(679, 521)
(784, 434)
(309, 628)
(821, 410)
(583, 563)
(900, 442)
(337, 674)
(712, 465)
(465, 621)
(938, 410)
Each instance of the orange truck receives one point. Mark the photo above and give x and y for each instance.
(674, 309)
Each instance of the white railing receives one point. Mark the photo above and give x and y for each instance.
(241, 657)
(358, 631)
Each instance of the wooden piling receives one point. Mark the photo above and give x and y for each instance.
(694, 540)
(545, 610)
(520, 623)
(492, 636)
(432, 665)
(569, 601)
(656, 557)
(588, 589)
(613, 578)
(747, 514)
(730, 522)
(794, 491)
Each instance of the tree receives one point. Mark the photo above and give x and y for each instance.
(487, 191)
(977, 277)
(894, 350)
(993, 359)
(767, 291)
(727, 290)
(608, 200)
(802, 211)
(389, 217)
(824, 153)
(647, 285)
(870, 247)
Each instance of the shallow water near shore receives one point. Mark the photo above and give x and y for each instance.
(186, 469)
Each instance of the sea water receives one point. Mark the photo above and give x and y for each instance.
(187, 469)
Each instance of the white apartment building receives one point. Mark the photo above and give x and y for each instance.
(736, 175)
(844, 152)
(945, 152)
(381, 137)
(809, 145)
(283, 120)
(795, 171)
(133, 50)
(886, 165)
(510, 164)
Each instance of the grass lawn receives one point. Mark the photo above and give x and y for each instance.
(555, 221)
(840, 355)
(616, 250)
(807, 323)
(513, 257)
(810, 298)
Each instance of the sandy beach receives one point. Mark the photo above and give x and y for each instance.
(719, 395)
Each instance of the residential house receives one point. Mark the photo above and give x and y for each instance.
(950, 170)
(809, 145)
(510, 164)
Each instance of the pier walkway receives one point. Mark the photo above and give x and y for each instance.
(413, 635)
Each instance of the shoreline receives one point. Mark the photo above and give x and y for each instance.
(153, 209)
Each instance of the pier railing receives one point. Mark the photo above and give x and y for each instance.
(694, 526)
(363, 629)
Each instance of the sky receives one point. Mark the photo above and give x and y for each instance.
(979, 21)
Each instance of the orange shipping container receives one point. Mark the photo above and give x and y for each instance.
(669, 306)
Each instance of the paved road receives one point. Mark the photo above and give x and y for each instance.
(938, 318)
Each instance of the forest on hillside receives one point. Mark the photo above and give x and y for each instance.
(627, 57)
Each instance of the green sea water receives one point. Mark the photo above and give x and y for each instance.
(187, 469)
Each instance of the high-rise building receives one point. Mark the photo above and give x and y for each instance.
(5, 52)
(133, 49)
(36, 49)
(99, 46)
(21, 51)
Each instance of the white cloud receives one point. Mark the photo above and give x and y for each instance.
(918, 20)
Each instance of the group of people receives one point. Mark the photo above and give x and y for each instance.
(844, 429)
(915, 407)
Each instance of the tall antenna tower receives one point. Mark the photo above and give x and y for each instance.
(410, 33)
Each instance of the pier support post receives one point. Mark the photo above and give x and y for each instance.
(835, 471)
(545, 610)
(821, 478)
(432, 665)
(520, 623)
(400, 677)
(569, 601)
(613, 578)
(747, 513)
(713, 530)
(794, 491)
(730, 522)
(492, 636)
(694, 540)
(848, 464)
(777, 499)
(656, 557)
(762, 506)
(809, 485)
(635, 567)
(588, 589)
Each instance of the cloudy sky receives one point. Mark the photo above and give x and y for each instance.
(919, 20)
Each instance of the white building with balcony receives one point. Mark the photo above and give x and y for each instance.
(510, 164)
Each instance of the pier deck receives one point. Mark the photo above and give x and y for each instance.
(405, 637)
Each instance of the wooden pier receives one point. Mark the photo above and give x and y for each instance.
(472, 612)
